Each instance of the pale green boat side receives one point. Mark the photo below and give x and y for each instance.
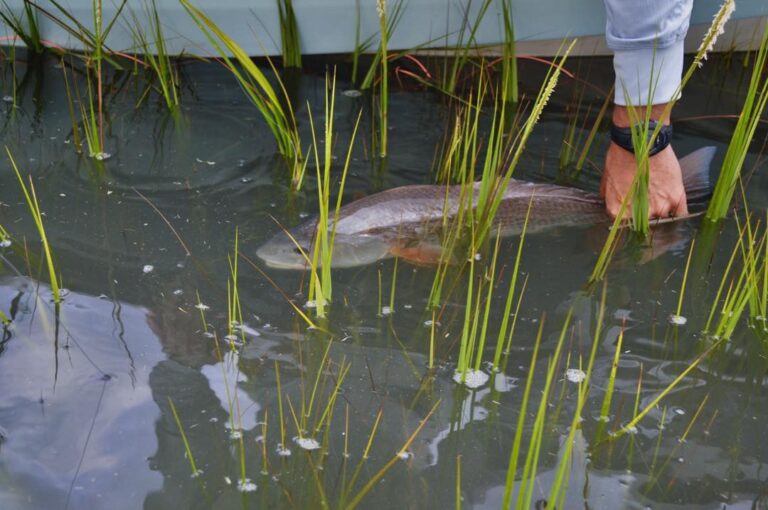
(329, 26)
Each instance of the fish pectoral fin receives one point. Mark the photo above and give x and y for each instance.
(422, 253)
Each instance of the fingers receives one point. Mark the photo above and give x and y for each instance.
(665, 208)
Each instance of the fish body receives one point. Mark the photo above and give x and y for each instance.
(406, 221)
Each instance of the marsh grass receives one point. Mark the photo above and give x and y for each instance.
(320, 281)
(93, 39)
(391, 20)
(592, 134)
(747, 283)
(677, 318)
(274, 107)
(289, 34)
(383, 110)
(92, 115)
(509, 57)
(30, 198)
(500, 163)
(76, 140)
(187, 448)
(234, 307)
(754, 105)
(529, 463)
(5, 241)
(466, 42)
(25, 26)
(151, 43)
(479, 202)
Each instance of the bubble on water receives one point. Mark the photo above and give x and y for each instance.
(209, 163)
(5, 243)
(575, 375)
(385, 310)
(196, 473)
(347, 93)
(471, 378)
(235, 434)
(148, 268)
(428, 323)
(282, 451)
(306, 443)
(246, 485)
(677, 320)
(101, 156)
(310, 304)
(178, 292)
(202, 306)
(405, 455)
(8, 99)
(679, 411)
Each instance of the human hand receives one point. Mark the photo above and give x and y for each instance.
(666, 193)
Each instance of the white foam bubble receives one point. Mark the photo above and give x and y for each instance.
(575, 375)
(306, 443)
(246, 485)
(471, 378)
(677, 320)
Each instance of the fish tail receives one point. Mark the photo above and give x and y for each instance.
(695, 168)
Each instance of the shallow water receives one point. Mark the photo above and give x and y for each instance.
(85, 413)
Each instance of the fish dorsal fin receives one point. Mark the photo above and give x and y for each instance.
(695, 168)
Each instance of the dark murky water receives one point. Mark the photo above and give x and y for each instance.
(85, 418)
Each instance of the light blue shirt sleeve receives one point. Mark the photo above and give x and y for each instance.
(647, 37)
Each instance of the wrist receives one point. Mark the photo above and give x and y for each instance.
(622, 118)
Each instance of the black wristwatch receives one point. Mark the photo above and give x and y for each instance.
(623, 137)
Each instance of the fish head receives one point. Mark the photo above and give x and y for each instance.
(281, 252)
(284, 252)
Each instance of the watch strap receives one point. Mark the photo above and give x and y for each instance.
(623, 137)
